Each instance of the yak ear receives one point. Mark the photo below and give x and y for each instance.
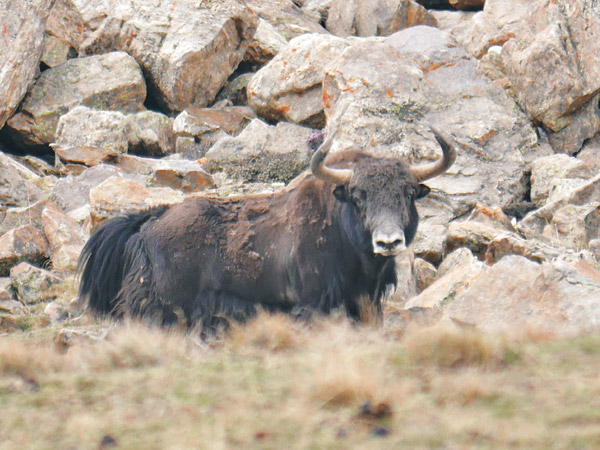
(423, 191)
(341, 193)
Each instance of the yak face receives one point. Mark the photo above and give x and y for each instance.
(380, 201)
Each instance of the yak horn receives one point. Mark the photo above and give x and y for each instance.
(327, 174)
(438, 167)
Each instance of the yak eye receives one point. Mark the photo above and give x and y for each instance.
(358, 196)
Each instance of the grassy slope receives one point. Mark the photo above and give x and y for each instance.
(277, 384)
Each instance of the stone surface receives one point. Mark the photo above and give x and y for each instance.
(571, 220)
(558, 34)
(518, 293)
(56, 52)
(289, 87)
(25, 243)
(7, 293)
(117, 195)
(287, 19)
(86, 127)
(150, 133)
(262, 152)
(25, 215)
(375, 17)
(21, 47)
(32, 284)
(187, 54)
(425, 274)
(113, 82)
(19, 186)
(554, 175)
(65, 237)
(266, 44)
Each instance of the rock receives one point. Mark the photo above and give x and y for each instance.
(38, 166)
(381, 97)
(186, 176)
(207, 125)
(499, 21)
(558, 34)
(72, 192)
(289, 87)
(467, 4)
(72, 160)
(54, 312)
(32, 284)
(21, 47)
(56, 52)
(65, 236)
(425, 274)
(25, 243)
(553, 176)
(262, 152)
(83, 127)
(451, 283)
(570, 221)
(106, 82)
(7, 294)
(590, 154)
(375, 17)
(517, 293)
(116, 195)
(19, 186)
(482, 226)
(287, 19)
(150, 133)
(26, 215)
(234, 91)
(513, 244)
(187, 53)
(267, 43)
(449, 20)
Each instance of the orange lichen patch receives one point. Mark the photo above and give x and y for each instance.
(390, 93)
(327, 99)
(283, 109)
(487, 136)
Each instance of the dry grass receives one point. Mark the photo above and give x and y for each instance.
(275, 383)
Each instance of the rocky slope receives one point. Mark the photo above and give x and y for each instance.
(115, 106)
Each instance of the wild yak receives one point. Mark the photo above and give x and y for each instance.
(327, 241)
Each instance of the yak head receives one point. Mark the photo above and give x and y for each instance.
(379, 195)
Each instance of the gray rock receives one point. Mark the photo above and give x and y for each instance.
(56, 52)
(289, 87)
(187, 53)
(560, 34)
(106, 82)
(32, 284)
(150, 133)
(266, 44)
(19, 186)
(553, 176)
(517, 293)
(65, 236)
(375, 17)
(25, 243)
(21, 47)
(262, 152)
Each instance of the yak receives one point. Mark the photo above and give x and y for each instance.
(326, 242)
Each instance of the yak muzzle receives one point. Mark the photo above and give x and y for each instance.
(388, 243)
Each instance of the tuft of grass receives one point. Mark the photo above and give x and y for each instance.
(450, 347)
(270, 332)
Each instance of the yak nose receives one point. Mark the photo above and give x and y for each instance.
(389, 243)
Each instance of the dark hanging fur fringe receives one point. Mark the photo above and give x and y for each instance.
(106, 259)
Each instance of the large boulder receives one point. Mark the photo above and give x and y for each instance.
(19, 186)
(286, 18)
(289, 87)
(25, 243)
(107, 82)
(554, 70)
(383, 96)
(262, 153)
(21, 47)
(187, 49)
(559, 297)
